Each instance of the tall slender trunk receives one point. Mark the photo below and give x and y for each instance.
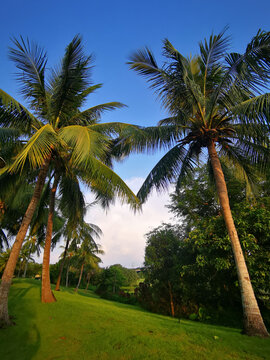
(80, 278)
(171, 299)
(20, 269)
(14, 254)
(67, 274)
(253, 321)
(57, 286)
(88, 280)
(47, 295)
(25, 268)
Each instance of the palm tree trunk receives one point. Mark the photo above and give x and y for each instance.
(253, 321)
(67, 275)
(88, 280)
(11, 264)
(171, 299)
(47, 295)
(57, 286)
(25, 268)
(80, 278)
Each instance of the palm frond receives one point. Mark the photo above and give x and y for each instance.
(13, 114)
(72, 203)
(41, 215)
(83, 142)
(239, 161)
(90, 90)
(8, 135)
(106, 180)
(214, 50)
(69, 82)
(31, 60)
(143, 61)
(252, 109)
(164, 172)
(91, 115)
(145, 139)
(257, 56)
(91, 229)
(3, 240)
(37, 149)
(189, 162)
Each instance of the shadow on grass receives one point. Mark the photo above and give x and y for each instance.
(21, 292)
(81, 292)
(22, 340)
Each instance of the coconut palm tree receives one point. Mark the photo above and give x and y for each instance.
(74, 225)
(29, 247)
(215, 107)
(55, 129)
(70, 254)
(87, 254)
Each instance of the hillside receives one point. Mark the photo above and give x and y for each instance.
(82, 326)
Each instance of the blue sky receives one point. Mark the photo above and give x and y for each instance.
(112, 30)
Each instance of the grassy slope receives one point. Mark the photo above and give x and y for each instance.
(82, 326)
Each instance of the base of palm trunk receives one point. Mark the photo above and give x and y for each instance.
(5, 319)
(48, 297)
(254, 326)
(57, 286)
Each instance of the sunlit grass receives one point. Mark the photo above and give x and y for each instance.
(82, 326)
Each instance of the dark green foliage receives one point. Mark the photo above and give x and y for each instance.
(199, 264)
(130, 276)
(111, 280)
(33, 269)
(197, 200)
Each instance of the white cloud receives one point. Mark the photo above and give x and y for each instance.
(123, 231)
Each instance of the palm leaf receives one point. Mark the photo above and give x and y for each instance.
(164, 172)
(72, 203)
(37, 149)
(144, 139)
(83, 142)
(92, 114)
(189, 162)
(69, 82)
(213, 50)
(3, 240)
(251, 110)
(13, 114)
(101, 176)
(8, 135)
(251, 68)
(31, 60)
(237, 161)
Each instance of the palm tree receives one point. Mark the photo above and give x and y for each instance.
(86, 255)
(4, 256)
(30, 246)
(214, 103)
(70, 254)
(75, 227)
(56, 129)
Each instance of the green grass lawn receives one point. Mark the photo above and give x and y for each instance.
(82, 326)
